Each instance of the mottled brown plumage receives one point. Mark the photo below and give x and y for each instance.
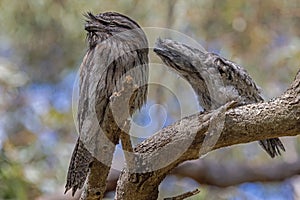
(117, 48)
(215, 80)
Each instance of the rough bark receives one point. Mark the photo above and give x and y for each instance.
(276, 118)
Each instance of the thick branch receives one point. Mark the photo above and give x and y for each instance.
(209, 172)
(276, 118)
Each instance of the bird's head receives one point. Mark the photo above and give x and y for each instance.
(105, 25)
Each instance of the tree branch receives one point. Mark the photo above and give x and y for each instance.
(209, 172)
(276, 118)
(96, 182)
(184, 196)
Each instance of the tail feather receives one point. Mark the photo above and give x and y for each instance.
(78, 168)
(272, 146)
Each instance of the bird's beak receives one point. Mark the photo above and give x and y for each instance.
(99, 26)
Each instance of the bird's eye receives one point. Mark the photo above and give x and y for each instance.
(112, 24)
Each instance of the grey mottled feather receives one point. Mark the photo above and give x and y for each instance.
(215, 80)
(117, 47)
(79, 166)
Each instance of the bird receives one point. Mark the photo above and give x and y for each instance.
(117, 47)
(215, 80)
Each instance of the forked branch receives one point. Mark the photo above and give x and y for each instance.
(276, 118)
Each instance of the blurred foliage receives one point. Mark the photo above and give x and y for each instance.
(42, 43)
(14, 185)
